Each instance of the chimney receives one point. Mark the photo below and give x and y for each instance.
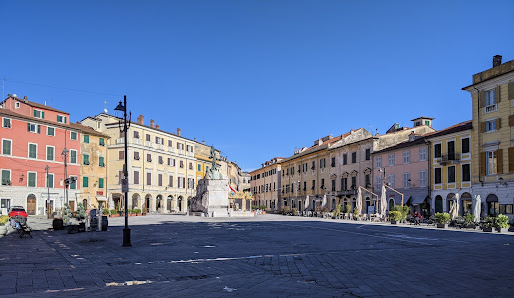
(178, 132)
(152, 123)
(497, 60)
(203, 142)
(141, 120)
(195, 139)
(156, 126)
(25, 99)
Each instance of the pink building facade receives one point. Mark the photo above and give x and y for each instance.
(405, 168)
(33, 138)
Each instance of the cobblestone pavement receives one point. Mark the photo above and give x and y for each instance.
(266, 256)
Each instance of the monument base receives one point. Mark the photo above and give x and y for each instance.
(211, 198)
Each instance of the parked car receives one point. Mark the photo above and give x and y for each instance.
(17, 211)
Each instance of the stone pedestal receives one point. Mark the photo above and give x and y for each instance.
(211, 198)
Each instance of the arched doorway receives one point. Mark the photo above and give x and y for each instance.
(450, 197)
(169, 203)
(391, 204)
(492, 205)
(188, 203)
(31, 204)
(425, 208)
(135, 201)
(467, 204)
(300, 205)
(180, 203)
(147, 206)
(160, 203)
(368, 203)
(438, 204)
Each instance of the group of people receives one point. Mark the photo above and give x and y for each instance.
(416, 216)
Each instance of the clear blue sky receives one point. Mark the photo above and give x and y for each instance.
(255, 78)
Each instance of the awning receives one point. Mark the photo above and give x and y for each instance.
(100, 199)
(418, 199)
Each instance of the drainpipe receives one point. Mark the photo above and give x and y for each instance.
(478, 120)
(429, 145)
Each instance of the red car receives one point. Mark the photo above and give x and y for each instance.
(17, 211)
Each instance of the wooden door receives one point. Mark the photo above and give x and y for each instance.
(31, 205)
(72, 205)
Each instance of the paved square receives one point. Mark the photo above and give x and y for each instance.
(266, 256)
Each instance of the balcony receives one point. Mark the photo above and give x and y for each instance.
(453, 158)
(120, 141)
(190, 154)
(136, 141)
(160, 146)
(347, 192)
(490, 108)
(171, 149)
(149, 144)
(181, 152)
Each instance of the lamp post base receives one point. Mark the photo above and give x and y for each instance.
(126, 238)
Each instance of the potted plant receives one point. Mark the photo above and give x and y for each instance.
(501, 223)
(294, 211)
(489, 224)
(80, 216)
(105, 211)
(263, 208)
(348, 210)
(337, 211)
(137, 211)
(114, 213)
(284, 211)
(3, 225)
(395, 216)
(356, 213)
(442, 220)
(469, 219)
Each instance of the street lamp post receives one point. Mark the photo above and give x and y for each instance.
(66, 180)
(124, 183)
(48, 188)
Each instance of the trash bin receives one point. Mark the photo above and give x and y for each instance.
(58, 224)
(94, 223)
(105, 223)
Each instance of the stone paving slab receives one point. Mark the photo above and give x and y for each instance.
(272, 256)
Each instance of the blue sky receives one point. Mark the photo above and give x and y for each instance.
(255, 78)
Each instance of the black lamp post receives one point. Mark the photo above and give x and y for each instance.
(124, 181)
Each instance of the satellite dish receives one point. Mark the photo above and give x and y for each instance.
(105, 111)
(14, 95)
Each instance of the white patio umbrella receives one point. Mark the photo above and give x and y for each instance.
(457, 205)
(477, 202)
(358, 204)
(383, 201)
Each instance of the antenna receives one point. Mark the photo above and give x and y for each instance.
(105, 106)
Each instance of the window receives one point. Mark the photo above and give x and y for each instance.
(333, 163)
(101, 141)
(333, 185)
(170, 181)
(437, 175)
(322, 183)
(354, 182)
(313, 184)
(466, 173)
(422, 153)
(73, 156)
(161, 160)
(312, 167)
(490, 98)
(379, 182)
(367, 181)
(422, 178)
(35, 128)
(354, 157)
(148, 178)
(39, 114)
(50, 131)
(406, 157)
(170, 143)
(6, 147)
(86, 139)
(61, 119)
(121, 176)
(85, 159)
(136, 177)
(50, 181)
(181, 164)
(148, 157)
(101, 161)
(5, 203)
(6, 123)
(6, 177)
(390, 159)
(368, 154)
(506, 209)
(136, 134)
(437, 150)
(136, 155)
(171, 162)
(159, 179)
(121, 155)
(406, 180)
(85, 181)
(490, 125)
(73, 136)
(391, 181)
(50, 153)
(100, 182)
(490, 159)
(322, 163)
(32, 179)
(345, 158)
(378, 161)
(73, 182)
(200, 168)
(451, 150)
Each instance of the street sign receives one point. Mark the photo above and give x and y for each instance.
(124, 185)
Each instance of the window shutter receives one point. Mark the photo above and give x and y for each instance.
(34, 113)
(511, 120)
(511, 90)
(482, 127)
(38, 128)
(499, 160)
(64, 119)
(511, 160)
(481, 99)
(43, 115)
(28, 126)
(482, 163)
(498, 123)
(497, 94)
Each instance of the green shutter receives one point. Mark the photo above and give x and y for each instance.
(38, 128)
(32, 179)
(86, 159)
(43, 115)
(100, 182)
(28, 126)
(50, 181)
(86, 138)
(101, 161)
(73, 156)
(85, 182)
(64, 119)
(102, 142)
(34, 113)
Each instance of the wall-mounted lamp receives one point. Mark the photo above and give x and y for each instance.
(21, 177)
